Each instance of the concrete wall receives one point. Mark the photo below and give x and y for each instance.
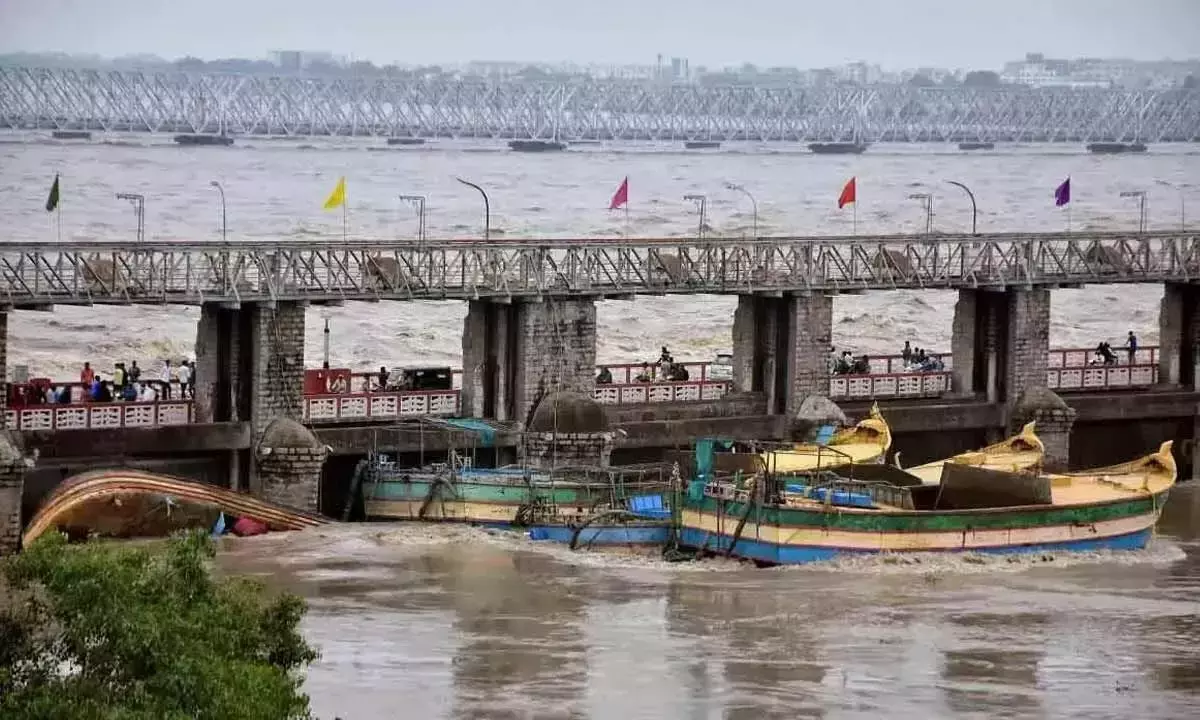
(1178, 335)
(810, 337)
(781, 348)
(276, 338)
(1028, 342)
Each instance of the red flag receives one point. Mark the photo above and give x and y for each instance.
(848, 195)
(621, 197)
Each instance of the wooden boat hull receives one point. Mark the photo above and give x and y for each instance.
(473, 502)
(1020, 453)
(792, 536)
(866, 442)
(632, 535)
(132, 503)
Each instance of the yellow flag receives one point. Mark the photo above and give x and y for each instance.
(337, 198)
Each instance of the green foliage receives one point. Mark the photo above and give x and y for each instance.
(121, 632)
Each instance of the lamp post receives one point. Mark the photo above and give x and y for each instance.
(417, 201)
(1182, 208)
(224, 224)
(1141, 198)
(487, 209)
(139, 207)
(926, 200)
(701, 202)
(742, 189)
(974, 207)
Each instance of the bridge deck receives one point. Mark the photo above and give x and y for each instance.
(197, 272)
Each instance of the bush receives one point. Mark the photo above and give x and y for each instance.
(111, 630)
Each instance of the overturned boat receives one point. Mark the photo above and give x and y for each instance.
(137, 504)
(816, 515)
(865, 442)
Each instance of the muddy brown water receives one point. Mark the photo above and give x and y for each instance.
(439, 621)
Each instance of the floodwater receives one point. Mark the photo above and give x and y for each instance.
(422, 621)
(275, 189)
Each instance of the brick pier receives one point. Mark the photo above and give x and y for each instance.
(781, 348)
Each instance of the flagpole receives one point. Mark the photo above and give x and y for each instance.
(856, 216)
(344, 240)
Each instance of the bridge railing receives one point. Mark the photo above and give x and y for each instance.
(100, 416)
(33, 275)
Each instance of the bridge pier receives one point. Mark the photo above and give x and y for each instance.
(12, 460)
(781, 348)
(1179, 335)
(516, 353)
(250, 368)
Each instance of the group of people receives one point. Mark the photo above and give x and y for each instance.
(914, 360)
(124, 383)
(1105, 355)
(917, 360)
(665, 369)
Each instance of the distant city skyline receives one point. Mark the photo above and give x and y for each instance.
(918, 33)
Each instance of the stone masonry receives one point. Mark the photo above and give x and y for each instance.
(1028, 342)
(810, 332)
(12, 488)
(3, 367)
(547, 450)
(289, 459)
(277, 347)
(1054, 420)
(218, 364)
(1179, 335)
(515, 354)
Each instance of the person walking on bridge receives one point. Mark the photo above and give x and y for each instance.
(1132, 344)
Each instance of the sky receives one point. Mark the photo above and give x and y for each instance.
(798, 33)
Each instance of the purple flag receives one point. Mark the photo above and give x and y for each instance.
(1062, 194)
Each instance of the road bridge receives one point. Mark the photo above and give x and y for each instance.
(85, 273)
(582, 109)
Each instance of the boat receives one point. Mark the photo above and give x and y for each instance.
(405, 141)
(1022, 452)
(1115, 148)
(977, 146)
(866, 442)
(797, 518)
(536, 146)
(203, 139)
(133, 503)
(701, 145)
(620, 505)
(838, 148)
(71, 135)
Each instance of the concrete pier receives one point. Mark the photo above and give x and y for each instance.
(12, 461)
(1179, 335)
(516, 353)
(781, 348)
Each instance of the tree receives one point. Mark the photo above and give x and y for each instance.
(120, 632)
(981, 78)
(1189, 83)
(920, 80)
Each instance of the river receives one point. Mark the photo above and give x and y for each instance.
(429, 621)
(275, 189)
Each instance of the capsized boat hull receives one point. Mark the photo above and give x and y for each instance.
(868, 441)
(132, 503)
(1022, 452)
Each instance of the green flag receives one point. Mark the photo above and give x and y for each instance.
(52, 201)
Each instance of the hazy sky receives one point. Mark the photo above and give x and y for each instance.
(802, 33)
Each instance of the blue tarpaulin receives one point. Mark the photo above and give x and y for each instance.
(486, 433)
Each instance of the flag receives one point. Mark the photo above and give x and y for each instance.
(1062, 194)
(337, 198)
(52, 201)
(848, 195)
(621, 196)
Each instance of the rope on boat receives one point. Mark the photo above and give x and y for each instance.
(437, 484)
(598, 516)
(751, 502)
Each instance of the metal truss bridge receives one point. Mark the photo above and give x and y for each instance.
(32, 98)
(192, 273)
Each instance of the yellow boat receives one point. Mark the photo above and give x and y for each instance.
(866, 442)
(1148, 476)
(1020, 453)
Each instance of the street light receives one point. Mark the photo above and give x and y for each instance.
(701, 202)
(926, 200)
(139, 207)
(1182, 209)
(487, 209)
(417, 201)
(224, 224)
(1141, 196)
(742, 189)
(974, 207)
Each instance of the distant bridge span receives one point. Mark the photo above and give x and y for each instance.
(64, 99)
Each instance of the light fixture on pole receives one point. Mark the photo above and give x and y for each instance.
(1182, 207)
(926, 200)
(139, 208)
(742, 189)
(1141, 198)
(974, 207)
(224, 224)
(417, 201)
(701, 202)
(487, 209)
